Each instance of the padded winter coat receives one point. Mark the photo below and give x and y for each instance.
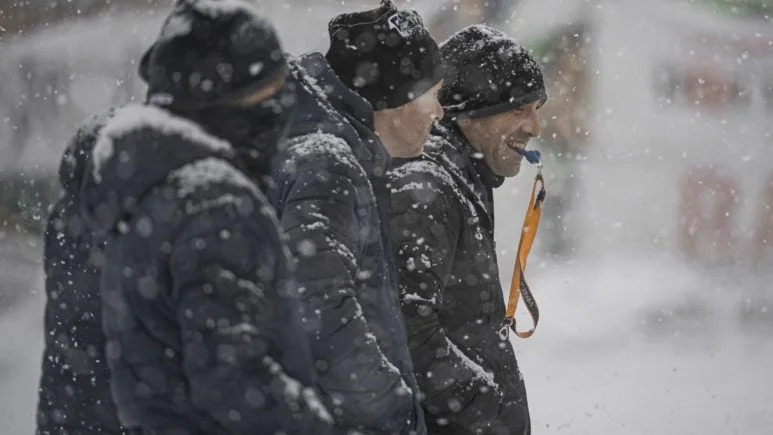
(452, 299)
(202, 320)
(327, 205)
(74, 392)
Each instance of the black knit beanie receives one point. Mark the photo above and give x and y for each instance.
(386, 55)
(210, 52)
(487, 73)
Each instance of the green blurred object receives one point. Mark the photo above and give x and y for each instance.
(760, 8)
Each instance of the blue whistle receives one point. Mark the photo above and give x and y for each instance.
(532, 156)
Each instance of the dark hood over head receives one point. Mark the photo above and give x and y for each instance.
(338, 94)
(136, 151)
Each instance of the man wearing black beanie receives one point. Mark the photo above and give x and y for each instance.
(203, 324)
(389, 58)
(332, 198)
(443, 226)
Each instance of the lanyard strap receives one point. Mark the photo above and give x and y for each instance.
(519, 288)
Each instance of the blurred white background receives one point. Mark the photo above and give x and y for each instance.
(652, 266)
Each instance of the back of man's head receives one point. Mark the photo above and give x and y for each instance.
(212, 52)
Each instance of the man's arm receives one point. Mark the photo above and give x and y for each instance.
(224, 271)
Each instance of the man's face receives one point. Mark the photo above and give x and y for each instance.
(497, 136)
(409, 125)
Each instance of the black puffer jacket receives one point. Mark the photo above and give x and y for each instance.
(327, 206)
(203, 324)
(74, 392)
(442, 222)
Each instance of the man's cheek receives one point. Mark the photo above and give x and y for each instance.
(505, 152)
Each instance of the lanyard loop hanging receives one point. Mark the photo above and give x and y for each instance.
(519, 288)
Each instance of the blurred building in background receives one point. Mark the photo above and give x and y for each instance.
(22, 17)
(659, 117)
(673, 85)
(565, 55)
(447, 17)
(60, 61)
(658, 148)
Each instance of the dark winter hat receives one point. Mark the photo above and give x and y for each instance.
(210, 52)
(386, 55)
(487, 73)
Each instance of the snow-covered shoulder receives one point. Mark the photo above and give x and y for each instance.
(425, 173)
(131, 119)
(428, 181)
(211, 183)
(316, 147)
(206, 172)
(216, 8)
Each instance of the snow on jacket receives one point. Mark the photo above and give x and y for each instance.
(202, 321)
(327, 207)
(452, 299)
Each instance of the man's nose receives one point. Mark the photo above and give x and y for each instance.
(533, 127)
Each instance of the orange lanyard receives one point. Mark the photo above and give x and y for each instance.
(518, 286)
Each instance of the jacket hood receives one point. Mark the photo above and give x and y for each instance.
(340, 96)
(136, 151)
(370, 152)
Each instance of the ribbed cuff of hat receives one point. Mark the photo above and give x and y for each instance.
(184, 102)
(462, 111)
(237, 55)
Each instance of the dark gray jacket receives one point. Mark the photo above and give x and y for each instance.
(452, 299)
(203, 324)
(74, 391)
(333, 215)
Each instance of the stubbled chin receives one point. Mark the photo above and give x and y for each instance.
(510, 166)
(510, 170)
(514, 172)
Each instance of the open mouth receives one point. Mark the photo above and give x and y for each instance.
(518, 147)
(532, 156)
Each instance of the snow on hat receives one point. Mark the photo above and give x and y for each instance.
(487, 73)
(209, 52)
(384, 54)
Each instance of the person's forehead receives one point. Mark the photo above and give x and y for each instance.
(511, 114)
(508, 116)
(522, 110)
